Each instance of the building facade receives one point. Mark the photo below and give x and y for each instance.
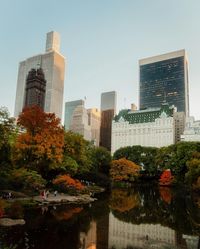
(35, 88)
(192, 130)
(94, 121)
(164, 78)
(52, 63)
(153, 127)
(80, 120)
(108, 111)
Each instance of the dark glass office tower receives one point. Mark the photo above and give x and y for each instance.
(35, 88)
(165, 78)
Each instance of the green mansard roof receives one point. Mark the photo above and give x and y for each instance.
(146, 115)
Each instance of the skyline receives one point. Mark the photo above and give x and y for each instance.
(102, 42)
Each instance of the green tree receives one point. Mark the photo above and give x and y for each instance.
(25, 179)
(78, 149)
(176, 157)
(193, 169)
(101, 160)
(7, 135)
(144, 156)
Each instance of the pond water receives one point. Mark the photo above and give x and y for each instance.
(143, 217)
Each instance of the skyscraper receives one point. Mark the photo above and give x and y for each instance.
(52, 65)
(164, 78)
(35, 88)
(108, 111)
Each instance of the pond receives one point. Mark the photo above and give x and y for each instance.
(141, 217)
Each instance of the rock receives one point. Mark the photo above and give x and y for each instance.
(11, 222)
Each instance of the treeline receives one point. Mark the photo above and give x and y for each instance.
(183, 159)
(36, 151)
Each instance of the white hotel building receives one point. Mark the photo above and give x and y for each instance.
(153, 127)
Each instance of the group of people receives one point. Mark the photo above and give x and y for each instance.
(45, 194)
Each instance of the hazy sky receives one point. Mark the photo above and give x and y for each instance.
(102, 41)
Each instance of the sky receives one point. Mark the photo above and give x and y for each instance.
(102, 41)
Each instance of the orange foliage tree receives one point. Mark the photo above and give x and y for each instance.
(65, 183)
(42, 138)
(166, 178)
(124, 170)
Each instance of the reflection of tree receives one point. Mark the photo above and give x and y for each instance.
(180, 214)
(122, 200)
(67, 214)
(166, 194)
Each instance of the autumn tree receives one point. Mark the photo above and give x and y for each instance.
(124, 170)
(166, 178)
(40, 144)
(66, 183)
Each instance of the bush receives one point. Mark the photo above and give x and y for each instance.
(27, 179)
(65, 183)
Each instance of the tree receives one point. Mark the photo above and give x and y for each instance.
(66, 183)
(25, 179)
(40, 145)
(101, 160)
(124, 170)
(193, 174)
(143, 156)
(166, 178)
(7, 135)
(175, 157)
(77, 148)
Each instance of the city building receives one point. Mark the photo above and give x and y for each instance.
(69, 110)
(164, 78)
(179, 122)
(94, 121)
(153, 127)
(77, 118)
(35, 88)
(52, 65)
(192, 130)
(80, 120)
(108, 111)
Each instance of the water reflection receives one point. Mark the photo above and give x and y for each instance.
(143, 217)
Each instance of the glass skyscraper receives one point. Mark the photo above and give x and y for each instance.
(164, 78)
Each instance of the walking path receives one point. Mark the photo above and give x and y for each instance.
(64, 198)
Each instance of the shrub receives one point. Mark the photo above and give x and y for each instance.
(27, 179)
(66, 183)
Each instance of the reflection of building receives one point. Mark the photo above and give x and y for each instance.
(80, 120)
(88, 240)
(192, 130)
(52, 64)
(151, 127)
(165, 77)
(108, 110)
(122, 234)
